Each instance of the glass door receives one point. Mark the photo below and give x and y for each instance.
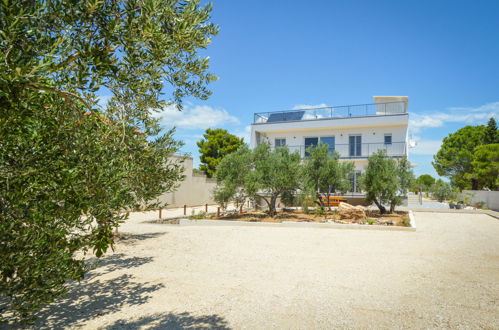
(355, 145)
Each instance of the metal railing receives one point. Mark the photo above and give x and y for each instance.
(353, 151)
(346, 111)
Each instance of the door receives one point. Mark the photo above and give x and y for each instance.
(355, 145)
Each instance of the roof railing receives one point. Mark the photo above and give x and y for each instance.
(344, 111)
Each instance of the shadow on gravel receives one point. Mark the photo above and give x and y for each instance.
(86, 301)
(114, 262)
(173, 321)
(90, 299)
(127, 238)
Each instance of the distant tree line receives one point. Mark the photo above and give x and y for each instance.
(470, 157)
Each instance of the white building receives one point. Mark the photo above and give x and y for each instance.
(354, 131)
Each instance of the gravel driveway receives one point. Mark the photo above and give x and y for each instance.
(446, 274)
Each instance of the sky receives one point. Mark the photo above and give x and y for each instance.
(276, 55)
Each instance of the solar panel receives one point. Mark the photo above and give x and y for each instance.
(285, 116)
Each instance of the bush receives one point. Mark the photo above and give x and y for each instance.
(200, 215)
(442, 191)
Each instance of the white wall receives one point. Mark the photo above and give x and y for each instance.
(194, 190)
(296, 140)
(491, 198)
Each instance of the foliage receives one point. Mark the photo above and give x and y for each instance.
(71, 168)
(454, 158)
(385, 180)
(492, 134)
(318, 212)
(232, 174)
(199, 216)
(425, 181)
(405, 181)
(443, 191)
(260, 172)
(215, 145)
(486, 165)
(288, 198)
(322, 172)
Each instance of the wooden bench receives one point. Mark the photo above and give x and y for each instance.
(333, 200)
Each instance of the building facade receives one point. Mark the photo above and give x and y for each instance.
(354, 131)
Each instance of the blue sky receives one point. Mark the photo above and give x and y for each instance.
(274, 55)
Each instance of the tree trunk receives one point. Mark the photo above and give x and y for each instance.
(328, 202)
(474, 184)
(392, 207)
(319, 198)
(272, 208)
(380, 206)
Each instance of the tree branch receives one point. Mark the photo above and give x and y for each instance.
(68, 96)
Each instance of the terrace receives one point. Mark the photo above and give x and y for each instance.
(345, 111)
(357, 150)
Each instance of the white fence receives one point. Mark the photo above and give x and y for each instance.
(491, 198)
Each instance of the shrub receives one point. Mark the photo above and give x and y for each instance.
(442, 191)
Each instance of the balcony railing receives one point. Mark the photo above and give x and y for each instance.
(356, 151)
(346, 111)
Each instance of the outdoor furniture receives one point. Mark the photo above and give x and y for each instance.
(333, 200)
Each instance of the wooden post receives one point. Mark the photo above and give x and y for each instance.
(185, 209)
(218, 212)
(206, 208)
(160, 213)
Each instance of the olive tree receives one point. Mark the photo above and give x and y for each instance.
(231, 174)
(71, 167)
(323, 173)
(259, 173)
(386, 180)
(405, 178)
(443, 191)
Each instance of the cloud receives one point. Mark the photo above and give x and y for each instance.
(245, 133)
(196, 117)
(467, 115)
(425, 147)
(489, 107)
(309, 106)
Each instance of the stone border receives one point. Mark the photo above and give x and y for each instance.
(412, 219)
(187, 222)
(492, 213)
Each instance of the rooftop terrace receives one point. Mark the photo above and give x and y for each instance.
(344, 111)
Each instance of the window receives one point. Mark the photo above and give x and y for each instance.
(329, 140)
(280, 143)
(314, 141)
(388, 139)
(355, 145)
(310, 142)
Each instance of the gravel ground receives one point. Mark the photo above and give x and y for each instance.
(444, 275)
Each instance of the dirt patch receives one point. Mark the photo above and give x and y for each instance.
(373, 217)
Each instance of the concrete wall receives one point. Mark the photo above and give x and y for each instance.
(194, 190)
(491, 198)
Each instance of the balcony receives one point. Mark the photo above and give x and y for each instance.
(346, 111)
(358, 151)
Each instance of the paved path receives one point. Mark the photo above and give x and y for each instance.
(444, 275)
